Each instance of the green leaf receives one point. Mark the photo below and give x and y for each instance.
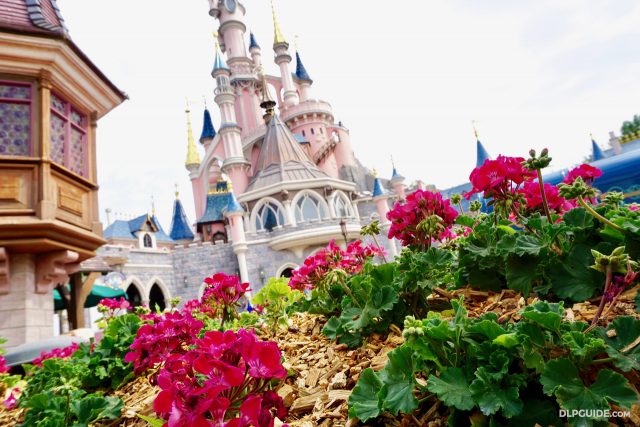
(332, 328)
(521, 272)
(399, 382)
(578, 218)
(465, 220)
(92, 408)
(627, 332)
(488, 328)
(571, 279)
(547, 315)
(492, 396)
(583, 346)
(452, 388)
(363, 401)
(561, 378)
(507, 340)
(153, 422)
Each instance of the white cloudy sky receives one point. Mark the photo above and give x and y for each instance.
(406, 77)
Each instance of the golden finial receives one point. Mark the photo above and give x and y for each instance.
(278, 37)
(153, 206)
(374, 172)
(591, 135)
(204, 99)
(267, 101)
(475, 130)
(193, 158)
(296, 42)
(177, 192)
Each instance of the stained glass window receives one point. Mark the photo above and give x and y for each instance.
(15, 118)
(68, 136)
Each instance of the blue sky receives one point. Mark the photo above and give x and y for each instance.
(406, 77)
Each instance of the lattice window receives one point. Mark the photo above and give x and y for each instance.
(68, 136)
(269, 217)
(309, 208)
(15, 118)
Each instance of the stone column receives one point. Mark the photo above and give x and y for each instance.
(25, 315)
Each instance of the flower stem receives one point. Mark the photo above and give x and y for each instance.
(461, 208)
(607, 284)
(598, 216)
(545, 205)
(375, 239)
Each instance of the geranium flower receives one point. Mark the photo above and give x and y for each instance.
(587, 172)
(3, 365)
(419, 206)
(531, 192)
(497, 178)
(61, 353)
(315, 268)
(115, 304)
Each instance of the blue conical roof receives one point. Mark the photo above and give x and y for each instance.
(233, 206)
(395, 176)
(482, 154)
(598, 154)
(208, 131)
(378, 190)
(180, 229)
(219, 63)
(252, 41)
(301, 72)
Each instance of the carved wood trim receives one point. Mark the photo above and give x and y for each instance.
(54, 268)
(4, 271)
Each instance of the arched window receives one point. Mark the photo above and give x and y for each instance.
(219, 237)
(133, 295)
(309, 208)
(269, 216)
(287, 272)
(146, 241)
(156, 298)
(342, 207)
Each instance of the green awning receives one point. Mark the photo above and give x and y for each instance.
(98, 292)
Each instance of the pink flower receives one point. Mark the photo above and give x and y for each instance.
(587, 172)
(531, 192)
(496, 178)
(12, 399)
(419, 205)
(221, 381)
(314, 269)
(115, 304)
(61, 353)
(3, 365)
(223, 289)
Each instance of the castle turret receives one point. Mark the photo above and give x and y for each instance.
(235, 165)
(598, 154)
(380, 198)
(303, 79)
(255, 50)
(397, 181)
(234, 214)
(180, 228)
(283, 59)
(208, 131)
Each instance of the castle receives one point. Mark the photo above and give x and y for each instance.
(273, 187)
(277, 181)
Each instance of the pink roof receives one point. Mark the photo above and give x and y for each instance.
(31, 16)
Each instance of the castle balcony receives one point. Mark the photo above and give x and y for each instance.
(308, 234)
(311, 107)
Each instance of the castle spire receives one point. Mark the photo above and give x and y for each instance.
(301, 71)
(180, 229)
(278, 36)
(208, 131)
(598, 154)
(219, 63)
(193, 158)
(481, 153)
(268, 104)
(252, 41)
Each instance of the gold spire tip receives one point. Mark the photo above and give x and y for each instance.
(475, 130)
(278, 37)
(177, 193)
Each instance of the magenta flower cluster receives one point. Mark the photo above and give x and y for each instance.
(61, 353)
(315, 268)
(223, 289)
(170, 333)
(499, 178)
(419, 205)
(3, 365)
(222, 381)
(115, 304)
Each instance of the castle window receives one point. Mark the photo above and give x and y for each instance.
(269, 217)
(219, 237)
(309, 208)
(341, 206)
(321, 131)
(303, 134)
(313, 132)
(146, 241)
(68, 136)
(15, 118)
